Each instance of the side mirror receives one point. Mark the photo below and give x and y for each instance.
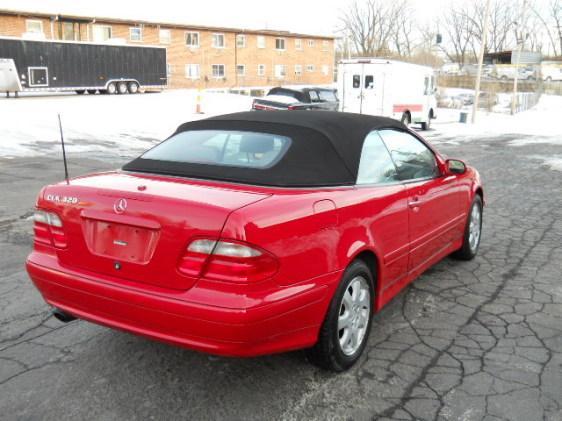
(455, 166)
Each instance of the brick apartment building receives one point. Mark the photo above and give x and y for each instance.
(197, 56)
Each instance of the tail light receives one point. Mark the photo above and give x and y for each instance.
(229, 261)
(292, 107)
(48, 229)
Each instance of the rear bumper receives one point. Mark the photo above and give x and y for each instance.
(289, 323)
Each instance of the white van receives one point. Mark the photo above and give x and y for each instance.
(388, 88)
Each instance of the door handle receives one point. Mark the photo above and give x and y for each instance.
(414, 202)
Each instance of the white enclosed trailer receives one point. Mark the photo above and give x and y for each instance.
(388, 88)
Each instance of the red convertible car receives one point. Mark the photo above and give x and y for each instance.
(255, 233)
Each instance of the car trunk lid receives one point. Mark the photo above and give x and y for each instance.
(138, 227)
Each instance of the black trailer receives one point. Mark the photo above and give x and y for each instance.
(33, 65)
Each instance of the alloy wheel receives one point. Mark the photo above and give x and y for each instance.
(353, 320)
(475, 227)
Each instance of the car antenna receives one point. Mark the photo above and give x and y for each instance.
(63, 152)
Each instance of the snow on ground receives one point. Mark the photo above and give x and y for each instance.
(126, 125)
(537, 125)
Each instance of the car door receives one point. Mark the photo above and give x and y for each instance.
(383, 210)
(433, 199)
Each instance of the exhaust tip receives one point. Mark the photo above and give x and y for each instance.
(62, 316)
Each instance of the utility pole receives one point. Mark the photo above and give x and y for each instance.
(481, 61)
(518, 58)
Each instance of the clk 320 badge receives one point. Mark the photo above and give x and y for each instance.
(62, 199)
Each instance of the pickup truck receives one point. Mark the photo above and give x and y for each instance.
(298, 99)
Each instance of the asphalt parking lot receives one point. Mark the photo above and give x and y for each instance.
(478, 340)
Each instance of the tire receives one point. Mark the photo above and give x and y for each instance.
(91, 91)
(469, 247)
(405, 119)
(548, 79)
(80, 91)
(122, 88)
(133, 87)
(503, 78)
(111, 88)
(354, 297)
(426, 125)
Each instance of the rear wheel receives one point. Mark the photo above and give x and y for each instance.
(122, 87)
(472, 232)
(345, 330)
(133, 87)
(406, 120)
(111, 88)
(427, 124)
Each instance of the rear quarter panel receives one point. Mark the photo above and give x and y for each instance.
(311, 244)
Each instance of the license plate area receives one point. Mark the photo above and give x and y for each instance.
(122, 242)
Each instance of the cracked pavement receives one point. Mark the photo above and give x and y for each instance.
(479, 340)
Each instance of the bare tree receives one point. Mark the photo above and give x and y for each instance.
(459, 31)
(376, 27)
(403, 27)
(501, 25)
(550, 18)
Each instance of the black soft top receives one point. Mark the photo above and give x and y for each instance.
(325, 150)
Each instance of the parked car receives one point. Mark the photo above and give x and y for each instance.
(255, 233)
(506, 72)
(551, 71)
(298, 99)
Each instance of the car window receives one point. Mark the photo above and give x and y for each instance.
(356, 81)
(412, 158)
(369, 82)
(313, 96)
(375, 166)
(222, 148)
(327, 96)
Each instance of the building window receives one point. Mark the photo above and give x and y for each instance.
(310, 68)
(298, 69)
(298, 43)
(192, 39)
(192, 71)
(325, 45)
(68, 32)
(240, 41)
(279, 43)
(311, 43)
(165, 36)
(33, 26)
(218, 40)
(261, 41)
(280, 71)
(101, 33)
(135, 33)
(218, 71)
(240, 69)
(261, 69)
(325, 70)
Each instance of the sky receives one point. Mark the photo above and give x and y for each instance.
(305, 16)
